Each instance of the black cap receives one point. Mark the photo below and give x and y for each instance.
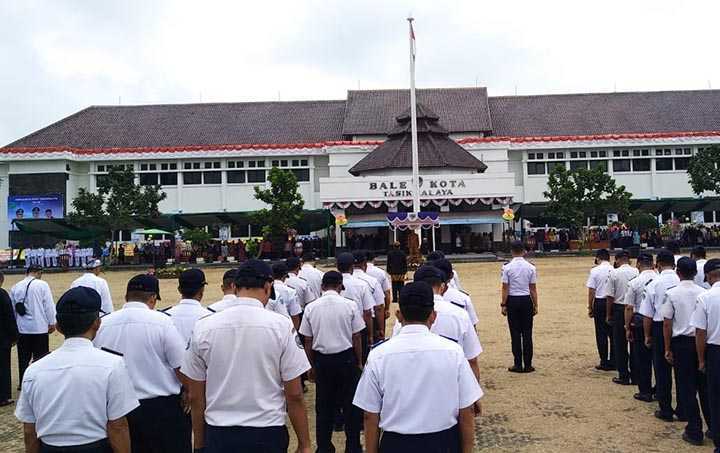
(698, 251)
(436, 255)
(255, 269)
(665, 257)
(293, 262)
(145, 283)
(79, 300)
(711, 265)
(445, 267)
(622, 254)
(645, 258)
(517, 246)
(359, 256)
(429, 273)
(345, 259)
(230, 275)
(34, 268)
(279, 270)
(602, 253)
(192, 279)
(417, 294)
(686, 266)
(332, 278)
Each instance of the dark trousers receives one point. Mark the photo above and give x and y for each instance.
(159, 425)
(642, 358)
(246, 439)
(712, 372)
(5, 378)
(101, 446)
(691, 384)
(663, 371)
(520, 322)
(620, 344)
(396, 287)
(603, 333)
(336, 378)
(31, 347)
(447, 441)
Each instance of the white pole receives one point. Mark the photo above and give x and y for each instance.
(413, 129)
(433, 237)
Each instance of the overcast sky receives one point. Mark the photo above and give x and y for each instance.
(59, 56)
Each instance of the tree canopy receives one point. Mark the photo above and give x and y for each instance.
(285, 201)
(575, 195)
(704, 170)
(641, 221)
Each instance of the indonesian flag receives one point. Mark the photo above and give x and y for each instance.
(412, 40)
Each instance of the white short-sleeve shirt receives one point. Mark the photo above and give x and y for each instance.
(655, 294)
(380, 275)
(300, 285)
(228, 300)
(72, 393)
(358, 291)
(288, 297)
(598, 279)
(519, 274)
(314, 279)
(636, 289)
(417, 382)
(39, 305)
(99, 284)
(462, 300)
(150, 344)
(679, 305)
(244, 355)
(376, 290)
(707, 314)
(331, 321)
(184, 315)
(618, 281)
(700, 276)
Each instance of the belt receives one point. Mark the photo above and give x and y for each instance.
(100, 446)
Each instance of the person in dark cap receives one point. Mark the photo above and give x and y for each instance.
(285, 295)
(331, 326)
(357, 291)
(706, 321)
(679, 336)
(700, 256)
(243, 368)
(228, 289)
(519, 302)
(191, 286)
(597, 285)
(452, 294)
(641, 355)
(55, 417)
(153, 351)
(376, 291)
(311, 274)
(454, 279)
(654, 336)
(434, 410)
(618, 280)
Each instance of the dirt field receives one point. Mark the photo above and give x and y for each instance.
(565, 406)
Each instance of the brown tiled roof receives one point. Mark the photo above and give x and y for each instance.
(435, 148)
(193, 124)
(373, 112)
(605, 113)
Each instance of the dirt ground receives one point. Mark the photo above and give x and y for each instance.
(565, 406)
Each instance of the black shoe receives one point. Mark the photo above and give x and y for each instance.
(6, 403)
(643, 397)
(620, 381)
(692, 441)
(709, 434)
(529, 369)
(664, 417)
(681, 419)
(515, 369)
(604, 367)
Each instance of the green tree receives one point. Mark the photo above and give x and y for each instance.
(198, 236)
(704, 170)
(117, 201)
(285, 201)
(641, 221)
(575, 195)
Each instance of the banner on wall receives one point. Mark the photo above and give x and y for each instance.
(697, 217)
(25, 207)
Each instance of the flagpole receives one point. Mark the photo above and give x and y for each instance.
(413, 129)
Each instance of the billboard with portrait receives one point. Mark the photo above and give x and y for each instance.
(27, 207)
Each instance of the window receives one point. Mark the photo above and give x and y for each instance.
(682, 163)
(540, 155)
(531, 156)
(212, 177)
(558, 155)
(236, 177)
(192, 178)
(295, 163)
(168, 179)
(100, 179)
(255, 175)
(625, 153)
(173, 166)
(302, 174)
(645, 152)
(303, 162)
(593, 154)
(665, 164)
(101, 168)
(163, 166)
(582, 154)
(616, 153)
(536, 168)
(621, 165)
(578, 164)
(143, 167)
(678, 151)
(687, 151)
(667, 152)
(573, 154)
(599, 164)
(602, 153)
(658, 152)
(551, 155)
(636, 152)
(641, 165)
(148, 179)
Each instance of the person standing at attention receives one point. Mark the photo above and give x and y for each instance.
(618, 281)
(8, 339)
(597, 285)
(243, 368)
(519, 302)
(228, 289)
(699, 255)
(191, 286)
(91, 279)
(397, 268)
(430, 407)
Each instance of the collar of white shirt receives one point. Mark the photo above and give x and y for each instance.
(292, 274)
(140, 305)
(667, 271)
(716, 285)
(518, 258)
(249, 302)
(689, 283)
(189, 302)
(229, 297)
(414, 329)
(330, 292)
(77, 343)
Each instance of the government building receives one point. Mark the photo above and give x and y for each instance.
(478, 154)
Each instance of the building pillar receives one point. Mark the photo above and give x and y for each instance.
(497, 232)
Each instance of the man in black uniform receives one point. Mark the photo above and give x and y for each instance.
(8, 339)
(397, 268)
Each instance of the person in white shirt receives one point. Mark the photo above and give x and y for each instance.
(597, 285)
(331, 326)
(654, 336)
(378, 313)
(519, 302)
(699, 255)
(243, 368)
(299, 284)
(312, 275)
(285, 294)
(153, 351)
(91, 279)
(359, 292)
(454, 282)
(706, 321)
(191, 285)
(679, 336)
(34, 308)
(453, 295)
(228, 288)
(641, 354)
(381, 276)
(618, 280)
(77, 396)
(433, 411)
